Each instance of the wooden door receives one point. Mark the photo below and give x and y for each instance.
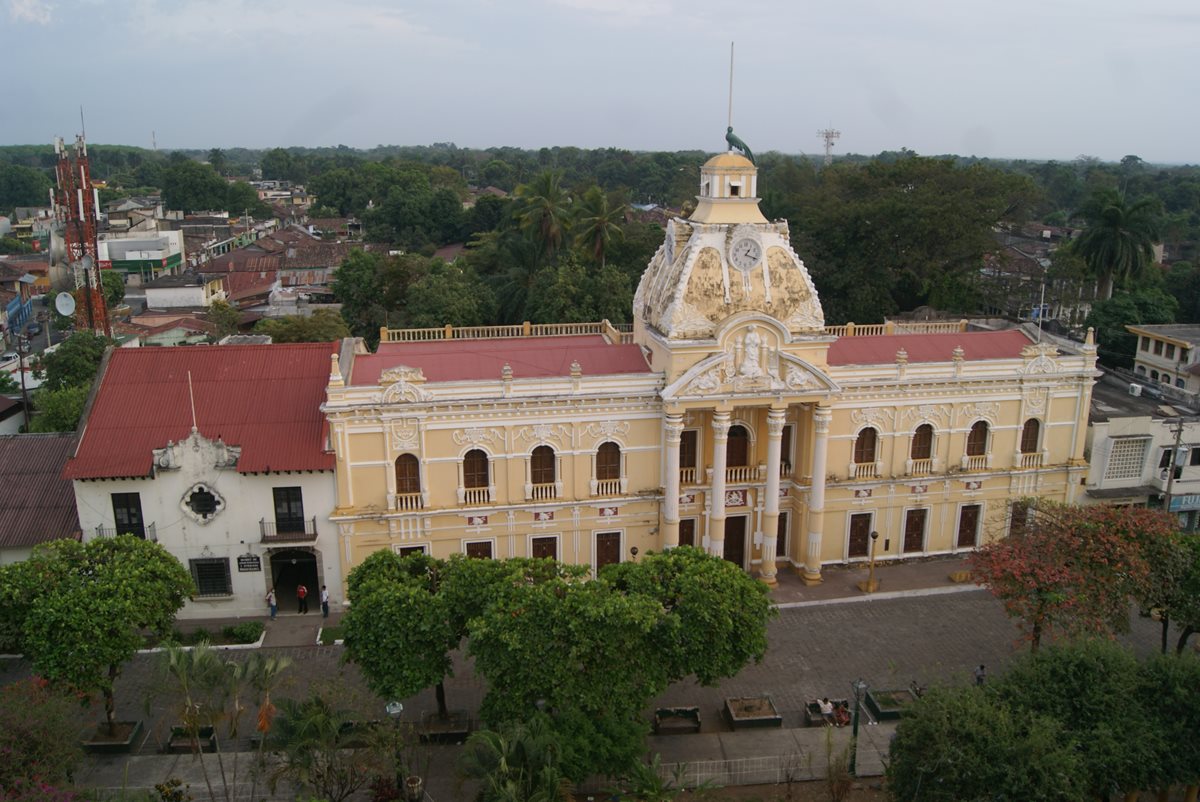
(914, 530)
(687, 532)
(860, 535)
(968, 526)
(541, 547)
(781, 537)
(735, 540)
(480, 549)
(608, 549)
(737, 449)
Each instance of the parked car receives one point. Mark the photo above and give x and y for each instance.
(9, 356)
(34, 328)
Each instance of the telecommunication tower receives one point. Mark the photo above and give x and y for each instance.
(76, 204)
(829, 134)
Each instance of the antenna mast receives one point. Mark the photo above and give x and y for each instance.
(730, 123)
(829, 135)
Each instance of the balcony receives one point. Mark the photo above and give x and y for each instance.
(687, 476)
(979, 462)
(542, 492)
(742, 474)
(288, 530)
(1033, 460)
(406, 502)
(920, 467)
(476, 495)
(608, 487)
(146, 532)
(863, 470)
(785, 470)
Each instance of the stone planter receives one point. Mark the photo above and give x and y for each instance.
(889, 705)
(180, 742)
(128, 738)
(747, 712)
(676, 720)
(414, 788)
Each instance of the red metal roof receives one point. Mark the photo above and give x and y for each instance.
(38, 505)
(529, 357)
(881, 350)
(264, 398)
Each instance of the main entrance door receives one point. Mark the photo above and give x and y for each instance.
(687, 532)
(608, 549)
(735, 540)
(968, 526)
(914, 530)
(860, 535)
(291, 568)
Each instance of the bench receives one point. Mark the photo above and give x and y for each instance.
(676, 720)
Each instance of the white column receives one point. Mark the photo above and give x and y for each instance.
(670, 509)
(822, 415)
(716, 514)
(770, 524)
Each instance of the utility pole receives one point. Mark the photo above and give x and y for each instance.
(1174, 462)
(829, 135)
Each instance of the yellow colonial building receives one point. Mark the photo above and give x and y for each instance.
(730, 417)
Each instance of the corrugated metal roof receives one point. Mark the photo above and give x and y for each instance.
(529, 357)
(38, 504)
(881, 350)
(264, 398)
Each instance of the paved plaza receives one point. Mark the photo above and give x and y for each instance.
(931, 636)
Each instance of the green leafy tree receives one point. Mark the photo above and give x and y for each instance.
(1143, 306)
(544, 211)
(1173, 683)
(597, 223)
(519, 762)
(191, 187)
(11, 245)
(39, 734)
(318, 748)
(962, 744)
(449, 293)
(8, 385)
(1075, 569)
(372, 290)
(322, 326)
(1092, 688)
(241, 198)
(567, 292)
(58, 410)
(1183, 282)
(114, 288)
(218, 161)
(1185, 605)
(1119, 239)
(23, 186)
(103, 593)
(73, 363)
(225, 317)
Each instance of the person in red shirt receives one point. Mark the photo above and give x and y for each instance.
(302, 597)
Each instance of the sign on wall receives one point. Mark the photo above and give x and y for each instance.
(249, 562)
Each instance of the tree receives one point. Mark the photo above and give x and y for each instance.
(597, 223)
(962, 744)
(1119, 239)
(191, 187)
(319, 748)
(567, 292)
(8, 385)
(218, 161)
(1074, 569)
(225, 317)
(1144, 306)
(12, 245)
(517, 763)
(39, 734)
(1092, 688)
(372, 289)
(241, 198)
(114, 287)
(322, 326)
(58, 410)
(1185, 608)
(103, 593)
(22, 186)
(449, 293)
(73, 363)
(544, 211)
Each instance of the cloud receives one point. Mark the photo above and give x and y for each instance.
(38, 12)
(628, 11)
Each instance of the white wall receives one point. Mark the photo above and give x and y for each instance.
(231, 532)
(171, 297)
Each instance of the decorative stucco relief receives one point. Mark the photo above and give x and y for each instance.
(475, 435)
(987, 410)
(545, 433)
(405, 435)
(927, 413)
(872, 416)
(607, 428)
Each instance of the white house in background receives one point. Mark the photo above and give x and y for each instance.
(1169, 355)
(240, 490)
(185, 290)
(1130, 441)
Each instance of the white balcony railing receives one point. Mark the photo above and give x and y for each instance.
(980, 462)
(543, 492)
(607, 487)
(407, 502)
(1034, 460)
(687, 476)
(740, 474)
(476, 495)
(863, 470)
(785, 470)
(920, 467)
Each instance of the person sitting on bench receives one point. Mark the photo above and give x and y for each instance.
(841, 714)
(826, 709)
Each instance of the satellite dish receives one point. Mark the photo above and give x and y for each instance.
(64, 302)
(86, 261)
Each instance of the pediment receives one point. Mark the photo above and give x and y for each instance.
(725, 374)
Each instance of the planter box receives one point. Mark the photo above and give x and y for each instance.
(676, 720)
(129, 737)
(453, 729)
(746, 712)
(889, 705)
(180, 742)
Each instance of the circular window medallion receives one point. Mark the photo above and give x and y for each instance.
(202, 503)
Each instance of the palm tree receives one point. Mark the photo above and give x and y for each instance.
(597, 222)
(544, 210)
(518, 763)
(1119, 239)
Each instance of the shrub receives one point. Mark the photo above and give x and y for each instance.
(39, 733)
(245, 632)
(201, 635)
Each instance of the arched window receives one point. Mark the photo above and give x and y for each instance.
(408, 474)
(1030, 435)
(977, 439)
(737, 452)
(865, 445)
(608, 461)
(475, 470)
(541, 466)
(922, 442)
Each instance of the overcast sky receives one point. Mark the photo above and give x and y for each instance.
(1018, 78)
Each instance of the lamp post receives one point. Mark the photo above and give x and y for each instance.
(22, 350)
(859, 687)
(395, 710)
(870, 586)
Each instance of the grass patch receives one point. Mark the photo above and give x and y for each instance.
(331, 634)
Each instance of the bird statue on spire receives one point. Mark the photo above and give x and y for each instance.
(735, 142)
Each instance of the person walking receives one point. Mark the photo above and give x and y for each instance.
(272, 603)
(980, 675)
(302, 597)
(324, 602)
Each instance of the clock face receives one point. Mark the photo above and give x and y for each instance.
(745, 253)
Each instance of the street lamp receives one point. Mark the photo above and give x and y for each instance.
(859, 687)
(395, 710)
(22, 350)
(870, 586)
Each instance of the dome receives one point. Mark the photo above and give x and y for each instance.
(728, 160)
